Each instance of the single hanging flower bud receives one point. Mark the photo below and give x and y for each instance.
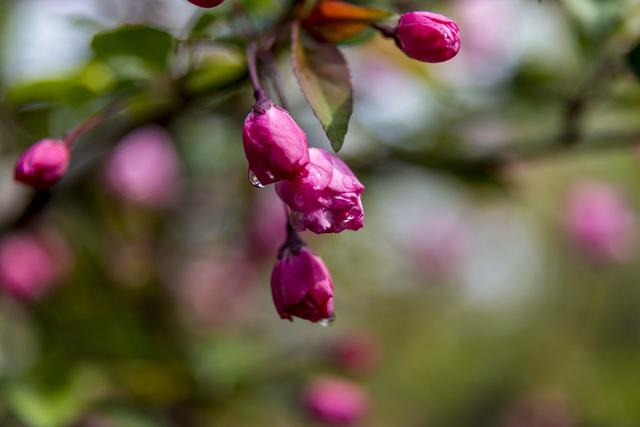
(274, 144)
(43, 164)
(428, 36)
(326, 197)
(302, 287)
(335, 401)
(207, 4)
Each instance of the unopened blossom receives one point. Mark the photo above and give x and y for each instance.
(600, 222)
(207, 4)
(326, 197)
(32, 263)
(275, 146)
(335, 401)
(428, 36)
(145, 168)
(302, 287)
(43, 164)
(358, 353)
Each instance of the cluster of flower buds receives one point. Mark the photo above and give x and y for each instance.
(321, 194)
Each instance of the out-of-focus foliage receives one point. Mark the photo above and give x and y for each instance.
(487, 307)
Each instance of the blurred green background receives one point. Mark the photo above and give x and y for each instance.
(486, 308)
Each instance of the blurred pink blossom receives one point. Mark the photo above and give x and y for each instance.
(216, 289)
(32, 263)
(540, 410)
(145, 169)
(358, 353)
(267, 228)
(600, 221)
(335, 401)
(439, 246)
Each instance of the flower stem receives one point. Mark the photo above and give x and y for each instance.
(252, 59)
(386, 30)
(293, 244)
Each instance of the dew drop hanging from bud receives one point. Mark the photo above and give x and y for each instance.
(254, 181)
(325, 323)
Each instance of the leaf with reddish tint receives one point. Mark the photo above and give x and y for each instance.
(339, 31)
(324, 78)
(337, 21)
(332, 10)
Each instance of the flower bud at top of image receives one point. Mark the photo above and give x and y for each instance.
(428, 37)
(32, 263)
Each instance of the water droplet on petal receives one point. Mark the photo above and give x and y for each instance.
(325, 323)
(253, 180)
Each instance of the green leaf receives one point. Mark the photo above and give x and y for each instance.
(324, 78)
(149, 45)
(215, 68)
(202, 24)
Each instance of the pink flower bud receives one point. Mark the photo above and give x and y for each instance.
(274, 144)
(145, 168)
(335, 401)
(428, 36)
(600, 222)
(31, 264)
(326, 197)
(43, 164)
(302, 287)
(207, 4)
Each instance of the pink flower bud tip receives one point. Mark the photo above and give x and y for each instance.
(207, 4)
(335, 401)
(145, 169)
(32, 263)
(302, 287)
(326, 196)
(275, 146)
(43, 164)
(428, 36)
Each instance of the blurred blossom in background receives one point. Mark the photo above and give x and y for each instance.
(496, 282)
